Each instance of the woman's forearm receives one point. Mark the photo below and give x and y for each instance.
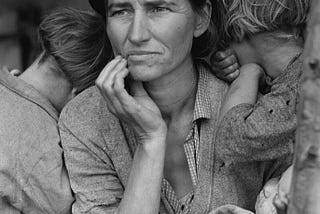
(142, 193)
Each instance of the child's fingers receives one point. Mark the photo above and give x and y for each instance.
(232, 76)
(281, 204)
(228, 61)
(230, 69)
(221, 55)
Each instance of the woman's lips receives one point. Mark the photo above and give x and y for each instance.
(138, 56)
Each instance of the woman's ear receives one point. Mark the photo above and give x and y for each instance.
(203, 19)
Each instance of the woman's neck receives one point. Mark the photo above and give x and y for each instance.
(273, 54)
(174, 93)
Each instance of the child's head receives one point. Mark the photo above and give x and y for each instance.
(242, 18)
(75, 42)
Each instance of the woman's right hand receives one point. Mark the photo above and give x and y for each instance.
(139, 111)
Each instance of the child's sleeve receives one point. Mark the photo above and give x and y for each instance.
(264, 131)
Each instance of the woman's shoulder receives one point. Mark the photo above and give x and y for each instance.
(88, 109)
(87, 120)
(213, 85)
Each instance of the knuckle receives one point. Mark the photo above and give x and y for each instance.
(229, 60)
(233, 58)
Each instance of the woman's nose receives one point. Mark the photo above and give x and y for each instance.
(139, 31)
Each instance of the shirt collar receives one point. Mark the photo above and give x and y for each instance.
(25, 90)
(202, 107)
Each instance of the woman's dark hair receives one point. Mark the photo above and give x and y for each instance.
(206, 43)
(77, 41)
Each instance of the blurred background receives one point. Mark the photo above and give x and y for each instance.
(19, 20)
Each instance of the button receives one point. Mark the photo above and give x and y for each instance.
(182, 207)
(222, 164)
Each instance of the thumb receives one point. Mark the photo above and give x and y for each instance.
(137, 89)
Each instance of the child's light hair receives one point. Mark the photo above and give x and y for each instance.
(241, 18)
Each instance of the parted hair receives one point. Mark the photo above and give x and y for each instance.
(77, 42)
(241, 18)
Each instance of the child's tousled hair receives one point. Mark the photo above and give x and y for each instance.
(241, 18)
(77, 43)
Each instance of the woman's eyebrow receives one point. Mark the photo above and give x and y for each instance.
(159, 2)
(147, 3)
(119, 5)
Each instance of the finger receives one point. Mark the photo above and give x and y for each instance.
(108, 86)
(232, 76)
(270, 189)
(137, 89)
(221, 55)
(105, 85)
(230, 69)
(109, 79)
(108, 102)
(280, 205)
(105, 82)
(125, 99)
(230, 209)
(106, 70)
(230, 60)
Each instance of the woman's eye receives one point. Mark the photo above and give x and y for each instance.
(119, 13)
(159, 9)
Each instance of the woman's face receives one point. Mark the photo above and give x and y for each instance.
(155, 36)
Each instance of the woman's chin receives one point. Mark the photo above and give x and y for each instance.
(143, 73)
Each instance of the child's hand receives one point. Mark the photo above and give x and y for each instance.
(281, 201)
(225, 65)
(230, 209)
(264, 203)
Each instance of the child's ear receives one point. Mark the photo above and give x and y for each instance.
(203, 19)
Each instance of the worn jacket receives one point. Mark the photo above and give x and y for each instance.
(33, 178)
(99, 152)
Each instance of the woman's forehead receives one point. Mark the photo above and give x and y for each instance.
(112, 2)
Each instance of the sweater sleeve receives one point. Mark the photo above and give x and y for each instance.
(264, 131)
(93, 178)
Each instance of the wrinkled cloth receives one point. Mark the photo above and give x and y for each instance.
(33, 177)
(99, 150)
(266, 130)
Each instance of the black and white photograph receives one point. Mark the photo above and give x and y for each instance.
(159, 107)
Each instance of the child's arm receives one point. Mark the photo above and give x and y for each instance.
(263, 131)
(244, 89)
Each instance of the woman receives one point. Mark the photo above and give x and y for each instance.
(151, 134)
(33, 178)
